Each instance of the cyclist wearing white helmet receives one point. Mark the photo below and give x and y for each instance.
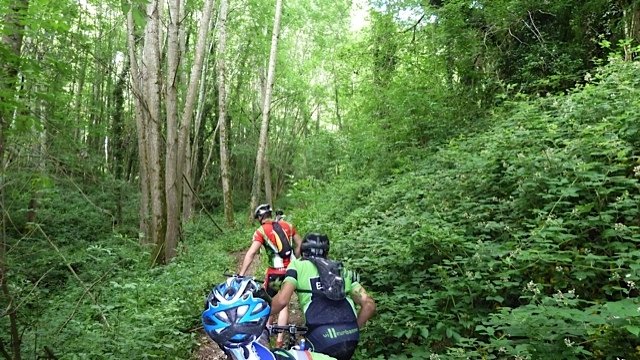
(276, 237)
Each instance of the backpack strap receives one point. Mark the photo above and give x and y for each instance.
(267, 243)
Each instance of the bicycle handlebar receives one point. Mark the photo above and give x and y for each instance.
(290, 329)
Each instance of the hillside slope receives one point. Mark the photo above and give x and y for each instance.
(518, 241)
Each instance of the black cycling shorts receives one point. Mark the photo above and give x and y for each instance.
(273, 280)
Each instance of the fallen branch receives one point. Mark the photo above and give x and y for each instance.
(35, 286)
(515, 37)
(82, 297)
(201, 203)
(66, 262)
(193, 329)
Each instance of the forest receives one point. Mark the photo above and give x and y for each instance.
(477, 162)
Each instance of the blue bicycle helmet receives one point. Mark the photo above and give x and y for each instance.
(236, 312)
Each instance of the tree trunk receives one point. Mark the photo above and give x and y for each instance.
(631, 19)
(172, 171)
(193, 165)
(141, 121)
(118, 152)
(336, 97)
(222, 115)
(151, 98)
(268, 188)
(264, 128)
(78, 99)
(14, 25)
(178, 133)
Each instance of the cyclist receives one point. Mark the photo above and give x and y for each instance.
(275, 236)
(334, 325)
(235, 314)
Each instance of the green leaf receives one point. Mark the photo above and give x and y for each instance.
(496, 298)
(623, 308)
(139, 17)
(635, 330)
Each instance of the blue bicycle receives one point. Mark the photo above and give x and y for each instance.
(235, 317)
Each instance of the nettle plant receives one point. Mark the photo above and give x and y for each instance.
(518, 242)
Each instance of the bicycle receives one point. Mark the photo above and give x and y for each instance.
(235, 316)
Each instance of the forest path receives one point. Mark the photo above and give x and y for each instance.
(209, 350)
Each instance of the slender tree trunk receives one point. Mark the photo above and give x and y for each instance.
(141, 125)
(117, 138)
(264, 128)
(172, 173)
(118, 143)
(222, 115)
(78, 98)
(194, 79)
(178, 132)
(336, 99)
(151, 88)
(193, 169)
(268, 188)
(14, 24)
(318, 118)
(631, 20)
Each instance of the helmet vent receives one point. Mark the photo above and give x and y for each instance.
(242, 310)
(222, 316)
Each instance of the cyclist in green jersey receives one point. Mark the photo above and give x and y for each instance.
(334, 325)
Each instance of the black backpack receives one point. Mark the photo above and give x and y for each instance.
(285, 252)
(331, 278)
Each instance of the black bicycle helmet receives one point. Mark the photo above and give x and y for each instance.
(262, 210)
(315, 245)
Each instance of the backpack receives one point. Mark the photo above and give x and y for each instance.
(282, 238)
(331, 278)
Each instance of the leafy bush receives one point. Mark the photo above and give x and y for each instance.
(138, 312)
(519, 241)
(112, 305)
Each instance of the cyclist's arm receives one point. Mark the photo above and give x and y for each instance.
(298, 243)
(248, 257)
(366, 302)
(281, 300)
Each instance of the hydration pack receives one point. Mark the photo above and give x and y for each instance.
(283, 239)
(331, 278)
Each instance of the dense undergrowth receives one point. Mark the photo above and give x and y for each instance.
(87, 290)
(519, 242)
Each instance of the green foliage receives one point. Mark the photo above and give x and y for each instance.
(122, 308)
(152, 313)
(519, 241)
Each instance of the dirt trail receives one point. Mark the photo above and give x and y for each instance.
(209, 350)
